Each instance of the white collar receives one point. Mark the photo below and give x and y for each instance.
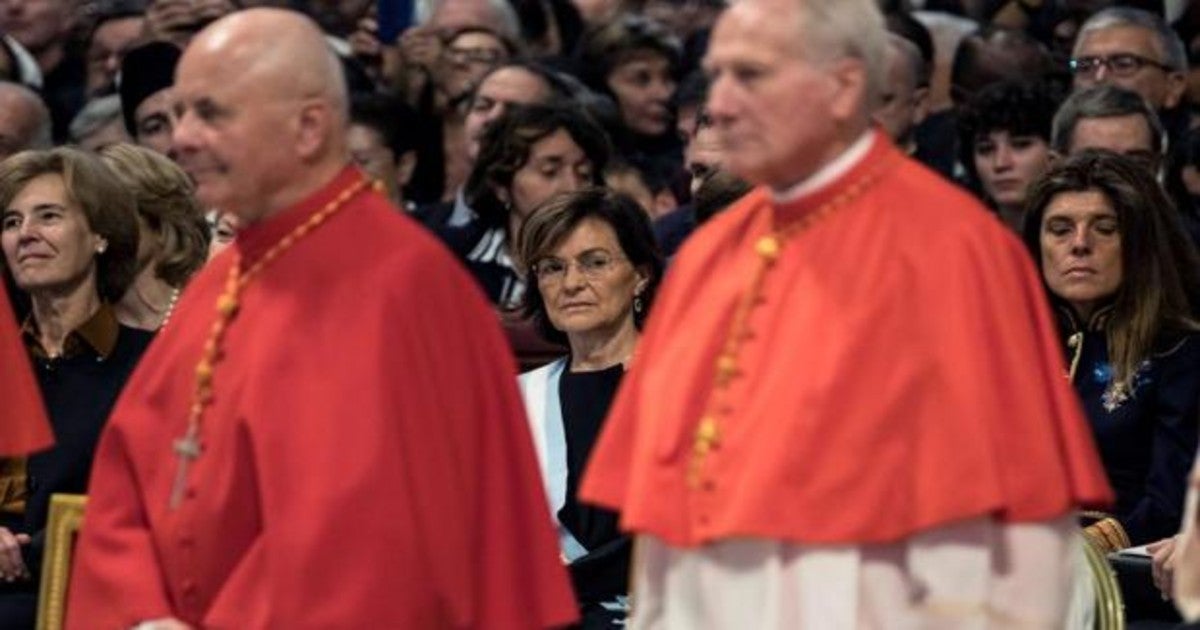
(834, 169)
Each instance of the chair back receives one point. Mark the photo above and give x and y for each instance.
(66, 517)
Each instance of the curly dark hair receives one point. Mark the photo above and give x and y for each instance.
(506, 145)
(1022, 108)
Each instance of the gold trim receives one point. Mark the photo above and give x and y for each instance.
(1108, 534)
(1075, 343)
(66, 518)
(1110, 606)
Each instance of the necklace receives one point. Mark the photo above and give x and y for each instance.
(170, 308)
(708, 434)
(188, 447)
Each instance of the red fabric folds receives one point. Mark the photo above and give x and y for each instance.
(902, 372)
(24, 428)
(365, 458)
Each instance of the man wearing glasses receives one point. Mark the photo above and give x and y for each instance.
(1133, 49)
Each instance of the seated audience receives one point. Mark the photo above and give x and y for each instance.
(380, 139)
(173, 235)
(1121, 272)
(1136, 50)
(526, 156)
(593, 258)
(24, 120)
(1112, 118)
(905, 99)
(647, 180)
(118, 27)
(635, 61)
(70, 242)
(222, 229)
(147, 74)
(515, 82)
(469, 53)
(99, 124)
(1004, 143)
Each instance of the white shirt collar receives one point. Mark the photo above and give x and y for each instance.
(834, 169)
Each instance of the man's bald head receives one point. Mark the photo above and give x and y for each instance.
(295, 61)
(24, 120)
(262, 120)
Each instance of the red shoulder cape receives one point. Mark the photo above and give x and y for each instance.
(24, 428)
(902, 372)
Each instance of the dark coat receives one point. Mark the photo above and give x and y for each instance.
(1147, 438)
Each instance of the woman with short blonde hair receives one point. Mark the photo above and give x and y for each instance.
(174, 235)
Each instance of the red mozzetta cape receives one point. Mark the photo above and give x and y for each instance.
(365, 459)
(23, 425)
(902, 371)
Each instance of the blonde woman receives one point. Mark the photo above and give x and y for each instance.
(174, 236)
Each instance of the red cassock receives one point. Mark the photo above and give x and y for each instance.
(23, 425)
(899, 371)
(365, 459)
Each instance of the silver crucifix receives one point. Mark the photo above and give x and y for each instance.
(188, 449)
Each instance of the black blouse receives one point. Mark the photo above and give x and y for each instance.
(601, 576)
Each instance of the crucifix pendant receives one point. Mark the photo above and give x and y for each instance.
(187, 448)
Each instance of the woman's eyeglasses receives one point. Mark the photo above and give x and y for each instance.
(592, 265)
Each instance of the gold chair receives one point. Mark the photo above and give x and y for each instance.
(66, 517)
(1110, 607)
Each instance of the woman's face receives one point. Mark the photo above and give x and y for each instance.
(587, 283)
(48, 244)
(643, 86)
(1007, 164)
(1081, 249)
(556, 164)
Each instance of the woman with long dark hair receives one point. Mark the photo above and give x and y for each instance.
(1121, 271)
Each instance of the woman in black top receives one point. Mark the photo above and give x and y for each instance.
(593, 256)
(1122, 271)
(69, 236)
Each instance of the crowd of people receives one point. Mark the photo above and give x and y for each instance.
(842, 313)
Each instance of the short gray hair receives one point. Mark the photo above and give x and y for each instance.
(504, 22)
(40, 135)
(1169, 44)
(97, 114)
(1102, 101)
(910, 55)
(836, 29)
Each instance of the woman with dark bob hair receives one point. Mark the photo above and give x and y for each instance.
(525, 157)
(593, 256)
(1121, 271)
(70, 237)
(173, 235)
(1004, 142)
